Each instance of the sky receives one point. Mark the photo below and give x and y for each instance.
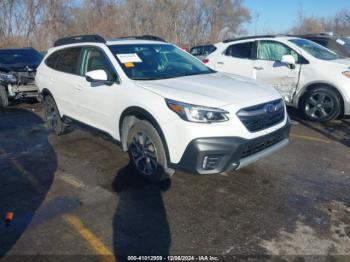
(280, 15)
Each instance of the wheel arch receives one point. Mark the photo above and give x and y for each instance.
(46, 92)
(311, 86)
(129, 116)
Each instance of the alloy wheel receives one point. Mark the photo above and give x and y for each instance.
(52, 116)
(144, 154)
(319, 105)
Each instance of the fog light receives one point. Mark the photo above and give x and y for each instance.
(211, 162)
(234, 166)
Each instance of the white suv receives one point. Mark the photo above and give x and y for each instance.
(165, 107)
(307, 75)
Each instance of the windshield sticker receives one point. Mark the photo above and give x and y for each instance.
(129, 64)
(339, 41)
(129, 58)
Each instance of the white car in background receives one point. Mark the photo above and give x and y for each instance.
(308, 76)
(165, 107)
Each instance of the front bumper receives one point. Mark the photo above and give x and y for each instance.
(223, 154)
(28, 90)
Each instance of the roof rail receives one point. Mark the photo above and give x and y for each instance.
(318, 35)
(143, 37)
(79, 39)
(248, 37)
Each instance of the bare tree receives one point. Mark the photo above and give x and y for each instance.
(185, 22)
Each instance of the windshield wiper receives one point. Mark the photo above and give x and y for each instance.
(147, 78)
(197, 73)
(173, 76)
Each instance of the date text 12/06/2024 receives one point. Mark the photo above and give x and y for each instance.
(173, 258)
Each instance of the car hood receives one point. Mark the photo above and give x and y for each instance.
(19, 67)
(341, 62)
(215, 90)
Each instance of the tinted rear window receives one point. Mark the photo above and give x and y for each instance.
(65, 60)
(51, 61)
(202, 50)
(242, 50)
(208, 49)
(196, 51)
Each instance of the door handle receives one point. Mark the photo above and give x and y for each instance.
(258, 68)
(220, 63)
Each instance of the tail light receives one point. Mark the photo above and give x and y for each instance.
(205, 60)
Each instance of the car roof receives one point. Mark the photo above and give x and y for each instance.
(97, 39)
(126, 41)
(259, 37)
(323, 35)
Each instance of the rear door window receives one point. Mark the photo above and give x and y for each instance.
(51, 61)
(68, 60)
(241, 50)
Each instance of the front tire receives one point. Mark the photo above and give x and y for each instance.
(321, 104)
(146, 152)
(52, 116)
(4, 101)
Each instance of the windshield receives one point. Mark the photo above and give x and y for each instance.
(156, 61)
(315, 50)
(20, 56)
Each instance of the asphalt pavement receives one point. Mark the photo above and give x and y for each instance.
(76, 194)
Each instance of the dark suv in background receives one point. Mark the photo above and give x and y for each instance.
(17, 74)
(338, 44)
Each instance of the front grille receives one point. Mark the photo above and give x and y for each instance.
(261, 145)
(262, 116)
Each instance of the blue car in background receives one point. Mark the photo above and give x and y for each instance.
(17, 74)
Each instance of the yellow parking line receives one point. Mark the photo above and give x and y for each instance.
(95, 243)
(312, 138)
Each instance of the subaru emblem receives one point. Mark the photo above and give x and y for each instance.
(270, 108)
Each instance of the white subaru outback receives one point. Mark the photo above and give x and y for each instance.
(165, 107)
(308, 76)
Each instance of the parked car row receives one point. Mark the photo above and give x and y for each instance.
(171, 111)
(309, 76)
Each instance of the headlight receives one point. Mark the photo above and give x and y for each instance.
(8, 77)
(199, 114)
(347, 74)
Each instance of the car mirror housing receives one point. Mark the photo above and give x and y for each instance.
(96, 76)
(288, 59)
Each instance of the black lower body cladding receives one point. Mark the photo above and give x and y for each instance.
(219, 154)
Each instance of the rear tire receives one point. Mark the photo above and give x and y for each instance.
(146, 152)
(4, 101)
(52, 116)
(321, 104)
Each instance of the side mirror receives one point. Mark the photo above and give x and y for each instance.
(289, 60)
(96, 76)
